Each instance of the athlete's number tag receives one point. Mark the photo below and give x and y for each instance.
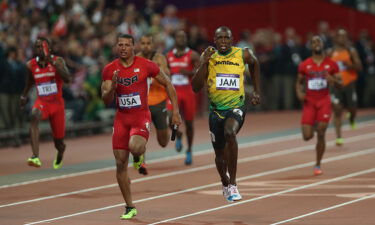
(227, 81)
(179, 79)
(48, 88)
(317, 84)
(129, 101)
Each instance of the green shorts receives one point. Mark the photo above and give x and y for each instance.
(345, 96)
(217, 120)
(159, 115)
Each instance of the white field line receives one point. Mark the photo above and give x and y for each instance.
(285, 169)
(174, 173)
(326, 209)
(168, 158)
(372, 170)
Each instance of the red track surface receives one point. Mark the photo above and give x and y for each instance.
(277, 186)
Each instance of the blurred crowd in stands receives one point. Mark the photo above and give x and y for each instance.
(84, 33)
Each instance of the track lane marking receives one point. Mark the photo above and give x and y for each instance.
(325, 209)
(196, 169)
(372, 170)
(202, 152)
(285, 169)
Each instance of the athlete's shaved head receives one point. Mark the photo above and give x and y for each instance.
(223, 29)
(180, 39)
(223, 39)
(148, 36)
(316, 38)
(146, 45)
(317, 45)
(341, 32)
(341, 37)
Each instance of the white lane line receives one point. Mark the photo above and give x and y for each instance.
(285, 169)
(372, 170)
(203, 152)
(168, 158)
(58, 177)
(326, 209)
(196, 169)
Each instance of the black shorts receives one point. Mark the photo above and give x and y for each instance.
(217, 120)
(159, 115)
(345, 96)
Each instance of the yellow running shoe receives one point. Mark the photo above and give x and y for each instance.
(57, 166)
(339, 141)
(348, 114)
(353, 125)
(129, 213)
(138, 164)
(57, 163)
(34, 161)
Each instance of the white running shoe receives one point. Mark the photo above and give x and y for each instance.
(226, 193)
(234, 193)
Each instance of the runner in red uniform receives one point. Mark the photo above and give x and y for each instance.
(48, 73)
(182, 62)
(125, 79)
(315, 74)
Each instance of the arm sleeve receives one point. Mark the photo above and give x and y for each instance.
(106, 73)
(153, 69)
(301, 68)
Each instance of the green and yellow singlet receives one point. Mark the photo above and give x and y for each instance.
(225, 80)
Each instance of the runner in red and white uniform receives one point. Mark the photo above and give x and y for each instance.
(125, 80)
(48, 73)
(182, 62)
(315, 74)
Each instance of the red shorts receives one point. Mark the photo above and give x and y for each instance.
(55, 112)
(316, 111)
(128, 124)
(186, 103)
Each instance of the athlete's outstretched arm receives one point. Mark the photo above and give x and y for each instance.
(164, 80)
(201, 73)
(254, 68)
(108, 89)
(62, 70)
(29, 84)
(300, 87)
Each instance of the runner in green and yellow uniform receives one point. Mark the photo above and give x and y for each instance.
(222, 71)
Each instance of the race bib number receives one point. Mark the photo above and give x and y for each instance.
(179, 79)
(129, 101)
(317, 84)
(228, 82)
(46, 89)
